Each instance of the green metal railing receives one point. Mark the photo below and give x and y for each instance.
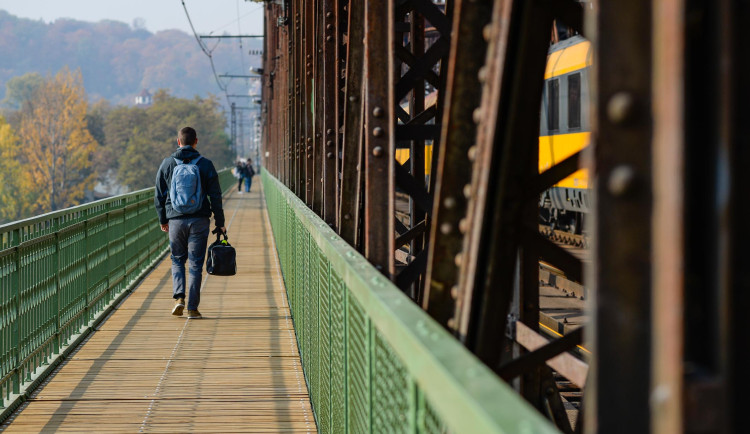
(373, 360)
(60, 273)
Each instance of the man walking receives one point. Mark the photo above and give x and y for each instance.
(248, 174)
(187, 193)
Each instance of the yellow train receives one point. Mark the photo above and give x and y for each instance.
(564, 130)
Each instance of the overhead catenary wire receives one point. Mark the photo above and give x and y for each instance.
(206, 51)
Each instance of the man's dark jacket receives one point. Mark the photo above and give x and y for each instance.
(209, 183)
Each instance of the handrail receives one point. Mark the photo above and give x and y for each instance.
(373, 360)
(62, 272)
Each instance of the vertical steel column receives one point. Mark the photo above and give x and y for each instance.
(736, 116)
(379, 136)
(458, 133)
(318, 106)
(622, 233)
(352, 169)
(308, 101)
(330, 96)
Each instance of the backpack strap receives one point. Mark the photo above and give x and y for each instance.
(193, 161)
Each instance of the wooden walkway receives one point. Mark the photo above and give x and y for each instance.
(235, 370)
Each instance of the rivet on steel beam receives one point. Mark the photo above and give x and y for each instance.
(458, 259)
(463, 225)
(329, 143)
(454, 291)
(347, 217)
(378, 112)
(621, 180)
(352, 98)
(378, 151)
(467, 191)
(449, 203)
(446, 228)
(482, 75)
(487, 32)
(329, 14)
(377, 132)
(309, 149)
(329, 155)
(472, 154)
(451, 323)
(309, 56)
(329, 26)
(621, 108)
(477, 115)
(329, 131)
(309, 140)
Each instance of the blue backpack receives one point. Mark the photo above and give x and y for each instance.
(185, 190)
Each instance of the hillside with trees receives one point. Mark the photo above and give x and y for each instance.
(58, 150)
(116, 60)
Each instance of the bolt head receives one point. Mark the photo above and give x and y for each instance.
(472, 154)
(329, 155)
(477, 115)
(463, 225)
(467, 191)
(446, 228)
(378, 151)
(378, 112)
(378, 132)
(621, 108)
(449, 203)
(487, 32)
(621, 180)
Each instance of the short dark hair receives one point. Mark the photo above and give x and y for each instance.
(187, 136)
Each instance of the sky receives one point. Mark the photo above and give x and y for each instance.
(208, 16)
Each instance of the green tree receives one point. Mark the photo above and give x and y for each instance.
(57, 146)
(20, 90)
(155, 136)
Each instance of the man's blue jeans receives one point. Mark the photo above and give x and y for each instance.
(248, 183)
(187, 239)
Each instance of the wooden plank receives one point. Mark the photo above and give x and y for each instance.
(235, 370)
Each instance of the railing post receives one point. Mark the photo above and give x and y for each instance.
(56, 297)
(16, 328)
(87, 288)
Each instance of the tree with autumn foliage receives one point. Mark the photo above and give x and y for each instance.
(57, 147)
(15, 192)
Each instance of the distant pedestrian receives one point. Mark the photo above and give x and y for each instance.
(239, 169)
(248, 175)
(187, 193)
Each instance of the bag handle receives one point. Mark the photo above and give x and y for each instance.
(219, 233)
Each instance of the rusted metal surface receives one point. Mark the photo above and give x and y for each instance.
(622, 269)
(351, 197)
(330, 94)
(668, 120)
(379, 138)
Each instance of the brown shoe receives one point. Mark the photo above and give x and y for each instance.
(194, 314)
(179, 306)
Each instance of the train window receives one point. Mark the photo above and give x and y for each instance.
(553, 102)
(574, 101)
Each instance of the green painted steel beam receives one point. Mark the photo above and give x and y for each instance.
(466, 395)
